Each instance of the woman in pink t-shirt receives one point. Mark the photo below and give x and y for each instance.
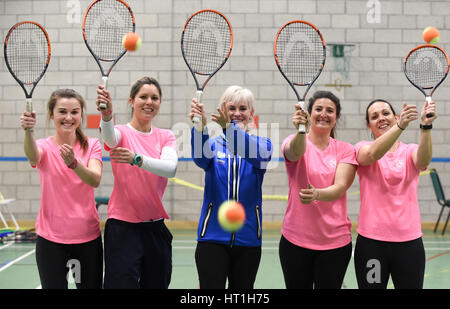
(70, 167)
(315, 246)
(138, 245)
(389, 239)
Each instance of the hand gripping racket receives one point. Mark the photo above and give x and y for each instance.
(426, 67)
(206, 44)
(27, 53)
(300, 55)
(104, 25)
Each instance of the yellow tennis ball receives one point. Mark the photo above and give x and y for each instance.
(231, 216)
(431, 35)
(131, 41)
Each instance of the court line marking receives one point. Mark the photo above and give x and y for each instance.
(17, 260)
(6, 246)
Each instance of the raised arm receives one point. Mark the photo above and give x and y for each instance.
(28, 121)
(108, 134)
(422, 157)
(370, 153)
(296, 147)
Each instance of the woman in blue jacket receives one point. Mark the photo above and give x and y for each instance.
(235, 163)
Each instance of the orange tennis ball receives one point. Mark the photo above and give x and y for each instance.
(431, 35)
(131, 41)
(231, 216)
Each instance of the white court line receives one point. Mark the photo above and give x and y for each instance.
(276, 248)
(17, 260)
(277, 241)
(6, 246)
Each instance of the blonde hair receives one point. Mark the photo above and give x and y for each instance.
(238, 94)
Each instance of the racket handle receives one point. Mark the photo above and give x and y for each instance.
(198, 96)
(301, 126)
(29, 105)
(102, 105)
(29, 108)
(428, 99)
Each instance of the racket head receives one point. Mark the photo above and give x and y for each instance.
(300, 53)
(27, 53)
(104, 25)
(426, 67)
(206, 43)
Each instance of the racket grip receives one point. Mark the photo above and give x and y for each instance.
(198, 96)
(29, 108)
(428, 99)
(29, 105)
(301, 127)
(102, 105)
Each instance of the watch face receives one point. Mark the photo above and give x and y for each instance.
(138, 159)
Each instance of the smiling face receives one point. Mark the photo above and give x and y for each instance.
(240, 113)
(380, 118)
(323, 115)
(146, 102)
(67, 115)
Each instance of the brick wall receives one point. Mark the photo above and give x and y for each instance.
(381, 39)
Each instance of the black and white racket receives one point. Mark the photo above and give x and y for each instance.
(206, 44)
(104, 25)
(426, 67)
(300, 55)
(27, 53)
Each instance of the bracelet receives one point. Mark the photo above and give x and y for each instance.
(74, 164)
(426, 127)
(400, 127)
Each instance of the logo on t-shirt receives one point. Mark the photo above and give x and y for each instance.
(332, 163)
(397, 164)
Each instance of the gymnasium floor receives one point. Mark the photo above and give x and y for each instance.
(18, 267)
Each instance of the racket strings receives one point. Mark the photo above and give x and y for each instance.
(426, 67)
(27, 52)
(300, 52)
(207, 40)
(105, 25)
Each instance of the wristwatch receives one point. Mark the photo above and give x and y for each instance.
(137, 160)
(426, 127)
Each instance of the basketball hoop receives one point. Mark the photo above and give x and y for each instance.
(341, 55)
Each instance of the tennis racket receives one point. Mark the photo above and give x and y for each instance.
(27, 53)
(300, 55)
(104, 25)
(426, 67)
(206, 44)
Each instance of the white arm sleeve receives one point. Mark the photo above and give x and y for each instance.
(109, 134)
(166, 166)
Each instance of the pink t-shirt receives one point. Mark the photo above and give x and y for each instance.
(137, 193)
(389, 205)
(67, 214)
(319, 225)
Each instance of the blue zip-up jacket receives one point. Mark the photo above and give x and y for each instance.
(235, 164)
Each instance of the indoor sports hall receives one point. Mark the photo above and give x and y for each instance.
(366, 44)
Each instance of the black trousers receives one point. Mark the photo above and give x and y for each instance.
(137, 255)
(85, 260)
(376, 260)
(216, 263)
(320, 269)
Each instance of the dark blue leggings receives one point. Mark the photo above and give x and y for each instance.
(376, 260)
(137, 255)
